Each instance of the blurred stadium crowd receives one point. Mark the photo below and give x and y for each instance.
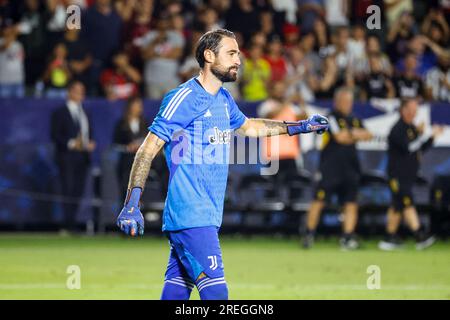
(129, 47)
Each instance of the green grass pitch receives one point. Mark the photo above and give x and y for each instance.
(112, 267)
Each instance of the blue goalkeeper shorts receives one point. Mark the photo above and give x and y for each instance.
(193, 251)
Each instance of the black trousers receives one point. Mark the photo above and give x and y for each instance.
(73, 169)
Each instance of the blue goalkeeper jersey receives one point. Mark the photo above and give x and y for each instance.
(196, 127)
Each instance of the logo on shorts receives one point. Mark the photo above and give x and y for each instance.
(214, 264)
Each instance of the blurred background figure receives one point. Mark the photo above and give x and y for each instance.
(161, 49)
(71, 134)
(437, 80)
(340, 170)
(300, 77)
(284, 149)
(377, 84)
(57, 74)
(189, 67)
(102, 30)
(12, 55)
(406, 144)
(122, 80)
(408, 84)
(79, 57)
(129, 133)
(276, 59)
(256, 75)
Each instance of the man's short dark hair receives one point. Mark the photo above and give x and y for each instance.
(211, 41)
(72, 83)
(405, 102)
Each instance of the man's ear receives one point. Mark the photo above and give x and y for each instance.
(209, 56)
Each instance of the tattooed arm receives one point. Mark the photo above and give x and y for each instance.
(262, 128)
(266, 128)
(130, 219)
(143, 160)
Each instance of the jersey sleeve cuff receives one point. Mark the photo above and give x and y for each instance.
(159, 134)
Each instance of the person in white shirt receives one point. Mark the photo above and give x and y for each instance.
(437, 80)
(12, 56)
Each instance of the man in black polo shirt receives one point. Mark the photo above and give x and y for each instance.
(409, 84)
(339, 168)
(406, 144)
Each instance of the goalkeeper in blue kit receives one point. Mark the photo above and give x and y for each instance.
(194, 125)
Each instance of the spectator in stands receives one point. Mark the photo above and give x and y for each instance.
(406, 143)
(129, 133)
(377, 84)
(436, 27)
(409, 84)
(190, 68)
(32, 32)
(328, 80)
(357, 49)
(341, 49)
(438, 80)
(71, 134)
(309, 12)
(373, 47)
(275, 58)
(339, 168)
(57, 74)
(289, 8)
(321, 33)
(136, 28)
(79, 57)
(125, 8)
(55, 17)
(336, 13)
(101, 30)
(440, 51)
(243, 17)
(255, 76)
(208, 19)
(161, 49)
(122, 80)
(307, 45)
(399, 34)
(395, 9)
(178, 24)
(291, 36)
(284, 148)
(425, 57)
(267, 24)
(259, 39)
(300, 77)
(12, 77)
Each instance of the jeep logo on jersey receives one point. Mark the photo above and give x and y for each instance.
(220, 137)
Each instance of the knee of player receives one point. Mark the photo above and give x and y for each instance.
(212, 288)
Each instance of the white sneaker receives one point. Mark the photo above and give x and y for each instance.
(428, 242)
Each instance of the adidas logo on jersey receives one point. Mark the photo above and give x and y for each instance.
(207, 114)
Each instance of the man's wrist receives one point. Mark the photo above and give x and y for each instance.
(294, 128)
(133, 197)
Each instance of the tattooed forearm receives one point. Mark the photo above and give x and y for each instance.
(143, 161)
(262, 128)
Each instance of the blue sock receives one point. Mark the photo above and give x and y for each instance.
(212, 289)
(177, 289)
